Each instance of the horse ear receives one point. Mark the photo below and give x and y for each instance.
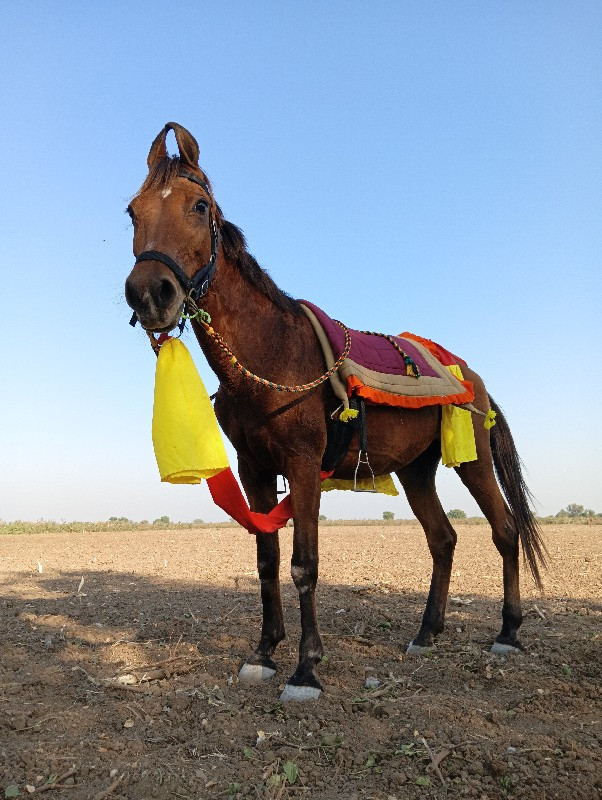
(158, 149)
(187, 144)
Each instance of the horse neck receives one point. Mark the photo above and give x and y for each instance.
(265, 339)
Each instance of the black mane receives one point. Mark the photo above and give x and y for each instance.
(234, 246)
(233, 239)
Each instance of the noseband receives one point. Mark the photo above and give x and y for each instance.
(196, 286)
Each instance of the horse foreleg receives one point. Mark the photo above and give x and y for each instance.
(305, 495)
(262, 497)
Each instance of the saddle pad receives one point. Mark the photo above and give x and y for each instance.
(377, 372)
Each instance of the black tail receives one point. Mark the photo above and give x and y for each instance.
(508, 468)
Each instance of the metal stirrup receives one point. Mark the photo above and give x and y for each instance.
(363, 451)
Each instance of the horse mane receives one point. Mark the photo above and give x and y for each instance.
(234, 244)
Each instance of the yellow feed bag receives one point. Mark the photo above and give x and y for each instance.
(187, 441)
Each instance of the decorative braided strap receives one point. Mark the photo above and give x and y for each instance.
(411, 367)
(304, 387)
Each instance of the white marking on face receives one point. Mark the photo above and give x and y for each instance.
(166, 192)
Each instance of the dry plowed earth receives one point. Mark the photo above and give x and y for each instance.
(119, 660)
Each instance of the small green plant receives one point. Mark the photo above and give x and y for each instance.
(234, 788)
(277, 709)
(410, 750)
(372, 762)
(12, 791)
(291, 772)
(331, 740)
(423, 780)
(388, 515)
(506, 783)
(567, 671)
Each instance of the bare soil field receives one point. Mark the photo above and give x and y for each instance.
(120, 651)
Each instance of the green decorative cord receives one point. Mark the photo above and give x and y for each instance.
(200, 314)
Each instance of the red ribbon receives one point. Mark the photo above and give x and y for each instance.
(227, 494)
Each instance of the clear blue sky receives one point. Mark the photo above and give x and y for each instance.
(431, 166)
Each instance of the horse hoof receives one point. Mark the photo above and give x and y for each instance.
(418, 650)
(500, 649)
(255, 673)
(299, 694)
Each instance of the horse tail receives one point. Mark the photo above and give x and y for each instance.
(508, 468)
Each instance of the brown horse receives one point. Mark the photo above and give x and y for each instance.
(185, 248)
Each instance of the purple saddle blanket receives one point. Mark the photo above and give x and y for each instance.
(376, 370)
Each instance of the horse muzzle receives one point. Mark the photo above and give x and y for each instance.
(155, 296)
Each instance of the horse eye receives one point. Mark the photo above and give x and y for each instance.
(130, 213)
(201, 207)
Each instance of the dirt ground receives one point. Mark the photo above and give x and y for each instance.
(86, 618)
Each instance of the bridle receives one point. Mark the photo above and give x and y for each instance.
(196, 286)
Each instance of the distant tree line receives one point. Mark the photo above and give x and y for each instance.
(575, 510)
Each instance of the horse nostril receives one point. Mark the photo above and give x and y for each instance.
(166, 292)
(131, 295)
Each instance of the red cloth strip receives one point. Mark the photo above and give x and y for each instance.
(444, 356)
(227, 494)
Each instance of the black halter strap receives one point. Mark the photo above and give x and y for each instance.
(196, 286)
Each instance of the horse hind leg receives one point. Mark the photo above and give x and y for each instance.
(479, 478)
(260, 665)
(418, 481)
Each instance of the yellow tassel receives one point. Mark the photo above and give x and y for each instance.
(233, 360)
(490, 419)
(410, 371)
(347, 414)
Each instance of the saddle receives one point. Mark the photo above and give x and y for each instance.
(404, 370)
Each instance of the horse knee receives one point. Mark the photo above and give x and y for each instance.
(267, 570)
(305, 576)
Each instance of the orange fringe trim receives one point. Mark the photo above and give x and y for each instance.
(383, 398)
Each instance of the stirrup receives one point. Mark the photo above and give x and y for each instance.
(366, 463)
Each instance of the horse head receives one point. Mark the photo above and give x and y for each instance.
(175, 233)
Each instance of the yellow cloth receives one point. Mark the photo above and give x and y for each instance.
(382, 483)
(187, 441)
(457, 434)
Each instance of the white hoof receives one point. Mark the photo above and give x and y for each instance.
(417, 650)
(255, 673)
(299, 694)
(499, 649)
